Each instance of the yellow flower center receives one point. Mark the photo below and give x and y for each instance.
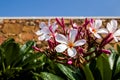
(94, 30)
(70, 44)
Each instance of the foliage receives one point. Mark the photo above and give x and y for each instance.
(74, 54)
(21, 62)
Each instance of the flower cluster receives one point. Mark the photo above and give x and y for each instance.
(74, 44)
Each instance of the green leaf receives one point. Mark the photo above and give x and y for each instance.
(118, 48)
(104, 67)
(116, 73)
(117, 66)
(27, 47)
(48, 76)
(1, 57)
(24, 51)
(112, 60)
(67, 71)
(11, 51)
(35, 65)
(88, 72)
(6, 42)
(30, 59)
(92, 65)
(79, 74)
(43, 57)
(94, 70)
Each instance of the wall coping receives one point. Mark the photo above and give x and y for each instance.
(65, 17)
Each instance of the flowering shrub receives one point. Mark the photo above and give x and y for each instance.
(80, 49)
(77, 45)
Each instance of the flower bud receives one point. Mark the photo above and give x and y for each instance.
(107, 40)
(58, 21)
(70, 61)
(35, 48)
(51, 44)
(106, 51)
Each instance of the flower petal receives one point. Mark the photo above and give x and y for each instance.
(114, 23)
(90, 29)
(118, 38)
(71, 52)
(110, 27)
(42, 37)
(117, 33)
(98, 24)
(42, 25)
(115, 38)
(97, 35)
(54, 26)
(47, 37)
(38, 33)
(80, 42)
(61, 38)
(73, 34)
(61, 47)
(45, 30)
(102, 30)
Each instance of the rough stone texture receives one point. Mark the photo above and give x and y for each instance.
(12, 28)
(25, 36)
(2, 38)
(28, 28)
(23, 30)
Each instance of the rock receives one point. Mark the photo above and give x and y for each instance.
(6, 21)
(28, 28)
(26, 36)
(66, 21)
(13, 21)
(12, 28)
(1, 27)
(37, 21)
(1, 21)
(2, 39)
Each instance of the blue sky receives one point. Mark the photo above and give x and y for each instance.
(59, 8)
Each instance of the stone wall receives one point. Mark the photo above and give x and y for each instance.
(23, 30)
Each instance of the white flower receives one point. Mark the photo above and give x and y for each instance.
(112, 28)
(95, 28)
(46, 32)
(68, 43)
